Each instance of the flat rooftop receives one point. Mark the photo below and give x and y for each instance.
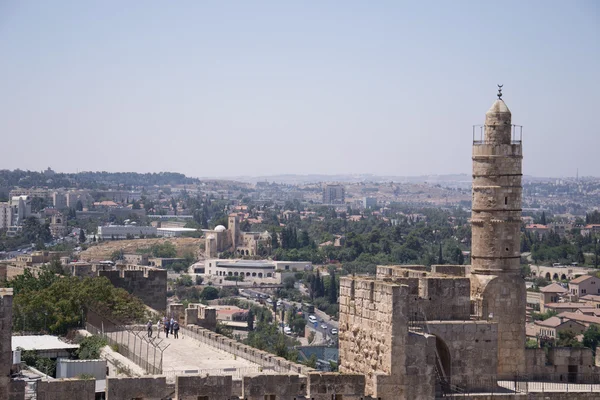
(40, 342)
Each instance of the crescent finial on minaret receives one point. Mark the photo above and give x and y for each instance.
(500, 92)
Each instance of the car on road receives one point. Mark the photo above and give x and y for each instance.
(324, 326)
(334, 331)
(287, 330)
(312, 319)
(278, 303)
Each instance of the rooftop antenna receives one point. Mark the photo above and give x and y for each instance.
(500, 92)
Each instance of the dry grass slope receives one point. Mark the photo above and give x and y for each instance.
(103, 251)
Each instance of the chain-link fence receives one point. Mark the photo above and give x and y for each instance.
(132, 341)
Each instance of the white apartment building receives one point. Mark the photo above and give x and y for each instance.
(59, 200)
(5, 215)
(20, 208)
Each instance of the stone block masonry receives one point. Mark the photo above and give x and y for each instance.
(372, 332)
(149, 284)
(213, 387)
(6, 300)
(273, 386)
(66, 389)
(324, 386)
(147, 388)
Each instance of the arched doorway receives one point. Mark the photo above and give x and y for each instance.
(547, 276)
(563, 277)
(555, 277)
(445, 361)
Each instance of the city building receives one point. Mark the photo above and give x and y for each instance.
(369, 202)
(583, 285)
(251, 270)
(59, 200)
(20, 208)
(124, 231)
(232, 239)
(5, 215)
(334, 194)
(550, 327)
(58, 225)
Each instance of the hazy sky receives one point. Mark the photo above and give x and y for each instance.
(230, 88)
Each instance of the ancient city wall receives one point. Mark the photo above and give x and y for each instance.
(321, 386)
(420, 364)
(372, 332)
(147, 388)
(215, 387)
(149, 284)
(281, 386)
(266, 360)
(6, 300)
(65, 389)
(555, 362)
(453, 270)
(445, 298)
(467, 349)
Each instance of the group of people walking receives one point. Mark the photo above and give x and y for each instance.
(169, 325)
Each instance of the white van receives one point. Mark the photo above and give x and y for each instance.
(312, 319)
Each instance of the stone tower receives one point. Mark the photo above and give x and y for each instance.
(234, 231)
(497, 288)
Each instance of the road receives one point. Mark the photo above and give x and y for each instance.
(324, 323)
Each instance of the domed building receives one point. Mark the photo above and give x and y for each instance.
(231, 239)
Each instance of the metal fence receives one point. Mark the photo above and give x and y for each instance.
(522, 384)
(131, 341)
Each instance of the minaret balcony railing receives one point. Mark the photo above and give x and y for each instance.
(516, 135)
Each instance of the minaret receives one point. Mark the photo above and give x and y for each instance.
(497, 286)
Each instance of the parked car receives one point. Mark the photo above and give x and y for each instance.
(334, 331)
(324, 326)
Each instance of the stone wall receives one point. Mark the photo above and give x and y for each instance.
(199, 314)
(322, 386)
(454, 270)
(66, 389)
(445, 298)
(6, 300)
(280, 386)
(149, 284)
(215, 387)
(147, 388)
(471, 347)
(372, 333)
(3, 269)
(502, 299)
(16, 390)
(420, 364)
(555, 363)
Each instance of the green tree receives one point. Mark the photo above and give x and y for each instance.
(332, 288)
(81, 236)
(568, 339)
(250, 319)
(210, 293)
(90, 347)
(591, 338)
(543, 218)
